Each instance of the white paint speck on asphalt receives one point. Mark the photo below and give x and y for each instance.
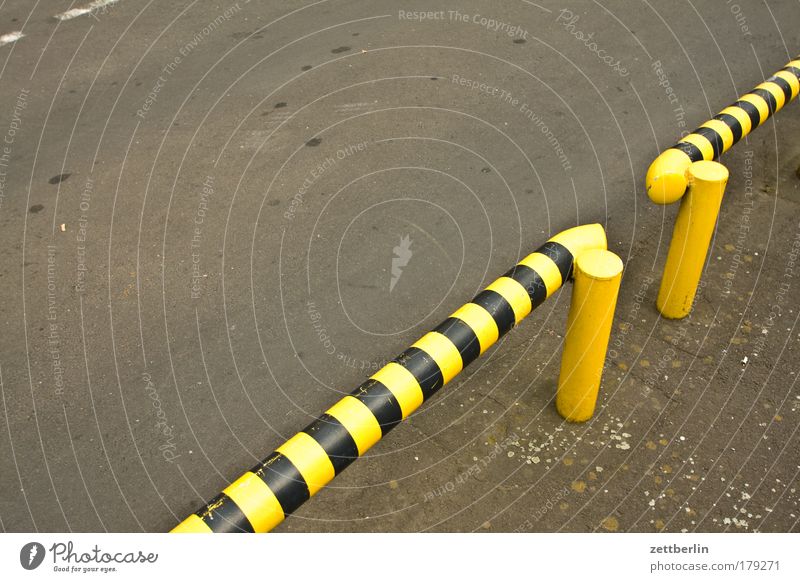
(10, 37)
(88, 9)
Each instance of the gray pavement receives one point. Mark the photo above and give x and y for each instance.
(199, 206)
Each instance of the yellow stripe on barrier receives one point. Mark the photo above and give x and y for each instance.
(701, 143)
(794, 84)
(359, 422)
(776, 91)
(546, 269)
(192, 524)
(760, 104)
(403, 385)
(257, 502)
(741, 116)
(443, 352)
(310, 459)
(515, 294)
(723, 130)
(481, 323)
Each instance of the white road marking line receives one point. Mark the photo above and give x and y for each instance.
(10, 37)
(88, 9)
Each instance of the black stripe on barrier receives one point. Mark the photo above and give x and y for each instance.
(285, 481)
(732, 123)
(714, 138)
(500, 309)
(794, 71)
(424, 369)
(335, 440)
(222, 515)
(532, 281)
(561, 256)
(463, 337)
(689, 149)
(381, 402)
(768, 97)
(752, 113)
(785, 87)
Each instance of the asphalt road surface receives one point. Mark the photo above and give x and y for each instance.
(201, 203)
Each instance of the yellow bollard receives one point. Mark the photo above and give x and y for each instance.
(694, 228)
(594, 296)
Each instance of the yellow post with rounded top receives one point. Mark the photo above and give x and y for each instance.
(598, 274)
(691, 237)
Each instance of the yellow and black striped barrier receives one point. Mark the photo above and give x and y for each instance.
(262, 498)
(667, 179)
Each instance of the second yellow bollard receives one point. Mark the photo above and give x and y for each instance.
(694, 227)
(598, 274)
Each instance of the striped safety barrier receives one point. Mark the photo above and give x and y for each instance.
(666, 178)
(261, 498)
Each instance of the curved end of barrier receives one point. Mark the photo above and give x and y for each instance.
(666, 178)
(582, 238)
